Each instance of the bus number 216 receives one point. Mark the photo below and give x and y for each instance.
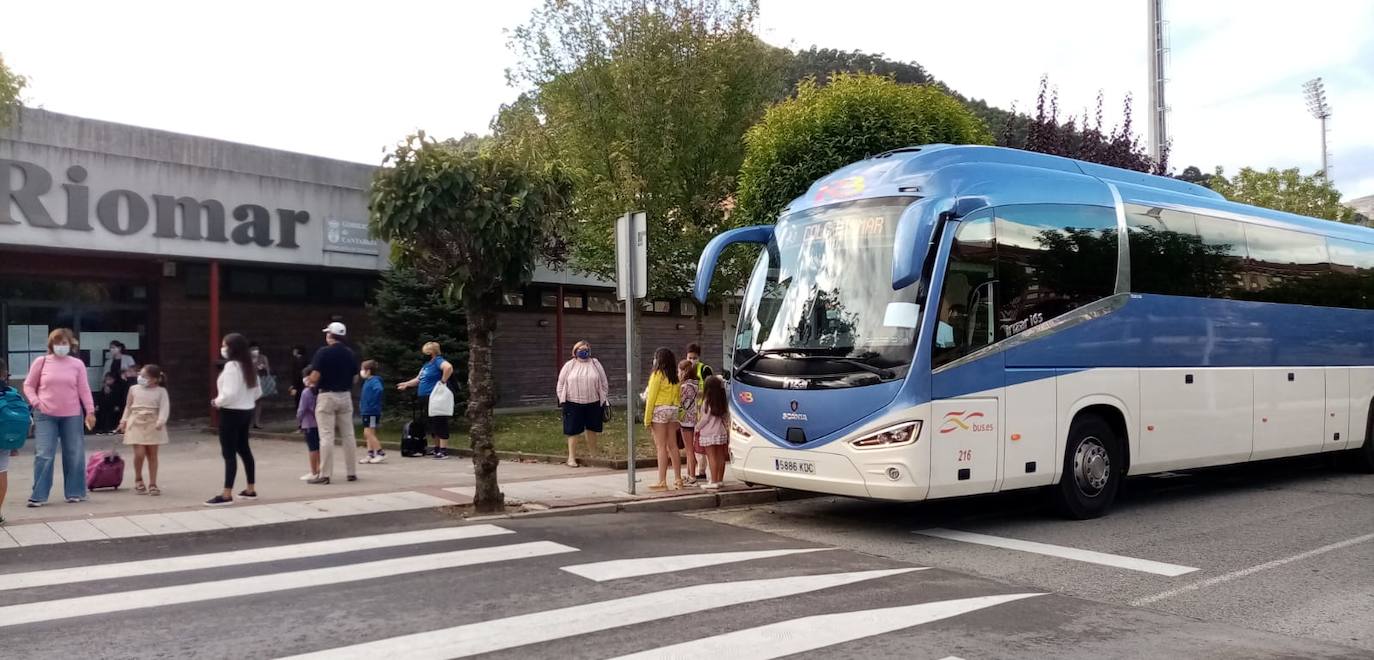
(965, 455)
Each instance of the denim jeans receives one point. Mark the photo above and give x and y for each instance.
(69, 433)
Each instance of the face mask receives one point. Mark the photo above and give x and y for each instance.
(61, 350)
(255, 352)
(143, 380)
(224, 352)
(114, 352)
(363, 375)
(427, 357)
(583, 354)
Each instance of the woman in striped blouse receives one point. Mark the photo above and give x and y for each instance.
(582, 393)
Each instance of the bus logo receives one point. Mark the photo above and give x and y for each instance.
(746, 397)
(794, 416)
(963, 421)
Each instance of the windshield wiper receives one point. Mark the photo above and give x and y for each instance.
(885, 374)
(749, 362)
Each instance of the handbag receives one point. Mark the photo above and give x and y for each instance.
(605, 412)
(441, 401)
(268, 382)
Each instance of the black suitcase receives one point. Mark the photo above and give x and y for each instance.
(413, 442)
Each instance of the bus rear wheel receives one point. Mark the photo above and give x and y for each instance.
(1092, 469)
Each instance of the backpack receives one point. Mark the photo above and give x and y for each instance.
(14, 419)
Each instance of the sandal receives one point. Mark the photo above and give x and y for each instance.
(154, 491)
(139, 488)
(677, 484)
(659, 486)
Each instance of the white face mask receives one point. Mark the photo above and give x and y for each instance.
(143, 380)
(255, 352)
(224, 352)
(362, 375)
(114, 352)
(61, 350)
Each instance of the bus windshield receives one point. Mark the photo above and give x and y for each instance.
(820, 301)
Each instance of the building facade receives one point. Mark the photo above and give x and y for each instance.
(165, 242)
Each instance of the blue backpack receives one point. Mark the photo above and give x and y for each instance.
(14, 419)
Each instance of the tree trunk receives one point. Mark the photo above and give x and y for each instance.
(487, 495)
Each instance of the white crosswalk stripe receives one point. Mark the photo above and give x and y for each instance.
(624, 568)
(241, 557)
(815, 632)
(548, 625)
(67, 608)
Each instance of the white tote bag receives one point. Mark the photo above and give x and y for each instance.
(441, 401)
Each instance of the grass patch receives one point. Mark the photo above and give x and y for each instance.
(538, 432)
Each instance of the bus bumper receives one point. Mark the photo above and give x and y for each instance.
(894, 474)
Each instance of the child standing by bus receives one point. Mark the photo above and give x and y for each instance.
(687, 417)
(713, 429)
(305, 419)
(144, 424)
(370, 407)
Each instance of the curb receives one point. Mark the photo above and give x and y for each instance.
(515, 456)
(678, 504)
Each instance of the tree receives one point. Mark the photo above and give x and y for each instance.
(406, 313)
(826, 127)
(1284, 190)
(1192, 174)
(1119, 148)
(644, 101)
(468, 222)
(11, 92)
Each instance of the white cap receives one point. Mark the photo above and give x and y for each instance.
(336, 328)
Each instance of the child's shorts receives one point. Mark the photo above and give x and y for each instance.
(372, 421)
(312, 439)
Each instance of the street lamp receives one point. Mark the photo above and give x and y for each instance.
(1315, 92)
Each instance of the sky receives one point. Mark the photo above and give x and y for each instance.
(348, 79)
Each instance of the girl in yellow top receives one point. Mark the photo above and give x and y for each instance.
(661, 402)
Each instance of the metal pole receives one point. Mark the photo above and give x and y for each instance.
(631, 363)
(558, 356)
(1325, 175)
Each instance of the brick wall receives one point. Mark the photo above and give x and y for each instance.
(184, 326)
(527, 360)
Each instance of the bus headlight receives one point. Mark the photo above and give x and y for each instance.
(893, 436)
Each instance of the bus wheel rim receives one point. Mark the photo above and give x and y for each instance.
(1091, 466)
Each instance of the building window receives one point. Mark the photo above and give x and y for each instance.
(686, 308)
(572, 300)
(548, 299)
(513, 298)
(349, 290)
(290, 285)
(604, 302)
(248, 283)
(656, 306)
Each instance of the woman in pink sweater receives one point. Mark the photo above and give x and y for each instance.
(60, 395)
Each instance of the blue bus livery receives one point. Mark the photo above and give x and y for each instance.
(942, 320)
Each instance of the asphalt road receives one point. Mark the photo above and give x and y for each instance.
(1285, 547)
(595, 586)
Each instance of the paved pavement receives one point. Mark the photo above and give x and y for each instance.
(1284, 547)
(419, 585)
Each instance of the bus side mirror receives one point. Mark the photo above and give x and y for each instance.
(706, 266)
(912, 241)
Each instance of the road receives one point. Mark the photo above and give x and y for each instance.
(1285, 547)
(611, 585)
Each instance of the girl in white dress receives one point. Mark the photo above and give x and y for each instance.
(145, 424)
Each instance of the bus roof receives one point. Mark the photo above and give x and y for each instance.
(916, 171)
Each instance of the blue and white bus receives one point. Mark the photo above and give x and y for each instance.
(942, 321)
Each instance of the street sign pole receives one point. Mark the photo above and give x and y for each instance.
(631, 285)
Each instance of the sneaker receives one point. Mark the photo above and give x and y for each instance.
(714, 485)
(75, 500)
(247, 495)
(352, 477)
(319, 481)
(690, 481)
(367, 459)
(34, 504)
(441, 454)
(380, 457)
(219, 500)
(308, 476)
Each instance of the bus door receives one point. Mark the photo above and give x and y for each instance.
(966, 387)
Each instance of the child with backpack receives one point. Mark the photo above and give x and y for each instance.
(689, 394)
(713, 429)
(14, 428)
(144, 424)
(370, 407)
(305, 419)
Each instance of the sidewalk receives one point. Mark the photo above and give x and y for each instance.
(191, 470)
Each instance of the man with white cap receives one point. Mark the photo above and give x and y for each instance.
(336, 364)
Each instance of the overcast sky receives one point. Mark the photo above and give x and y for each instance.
(347, 79)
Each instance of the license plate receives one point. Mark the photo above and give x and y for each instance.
(794, 465)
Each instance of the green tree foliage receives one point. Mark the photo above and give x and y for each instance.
(821, 63)
(11, 92)
(406, 313)
(643, 101)
(1284, 190)
(468, 222)
(1192, 174)
(826, 127)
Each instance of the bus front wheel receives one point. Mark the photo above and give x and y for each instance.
(1092, 469)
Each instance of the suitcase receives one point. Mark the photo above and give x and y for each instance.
(104, 469)
(413, 442)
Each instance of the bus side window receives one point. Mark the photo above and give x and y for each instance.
(1052, 259)
(966, 321)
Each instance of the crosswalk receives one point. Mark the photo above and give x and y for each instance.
(534, 590)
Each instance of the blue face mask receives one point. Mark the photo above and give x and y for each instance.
(583, 354)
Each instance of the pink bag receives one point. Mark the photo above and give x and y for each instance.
(104, 469)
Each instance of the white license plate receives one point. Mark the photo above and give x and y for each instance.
(794, 465)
